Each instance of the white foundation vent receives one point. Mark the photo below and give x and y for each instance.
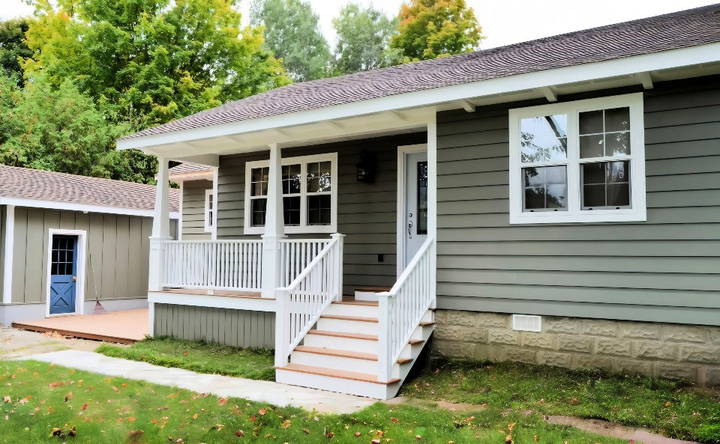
(527, 323)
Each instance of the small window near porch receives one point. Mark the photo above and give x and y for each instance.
(209, 211)
(309, 189)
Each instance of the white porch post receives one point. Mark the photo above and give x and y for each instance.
(161, 227)
(432, 199)
(274, 226)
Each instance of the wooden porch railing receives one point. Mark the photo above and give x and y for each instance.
(403, 307)
(300, 303)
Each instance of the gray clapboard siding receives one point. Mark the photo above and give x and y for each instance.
(366, 212)
(238, 328)
(666, 269)
(116, 256)
(193, 210)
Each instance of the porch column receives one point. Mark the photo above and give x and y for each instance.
(274, 225)
(160, 228)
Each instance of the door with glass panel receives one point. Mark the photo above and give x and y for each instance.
(416, 204)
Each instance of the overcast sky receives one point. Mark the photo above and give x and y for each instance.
(503, 21)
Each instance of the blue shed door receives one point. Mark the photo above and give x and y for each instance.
(63, 274)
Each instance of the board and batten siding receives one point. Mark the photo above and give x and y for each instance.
(238, 328)
(116, 257)
(366, 211)
(193, 210)
(666, 269)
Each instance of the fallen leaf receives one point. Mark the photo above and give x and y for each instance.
(240, 433)
(286, 424)
(84, 406)
(394, 420)
(222, 401)
(115, 389)
(262, 411)
(56, 384)
(69, 396)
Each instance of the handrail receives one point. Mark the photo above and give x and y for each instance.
(403, 307)
(300, 304)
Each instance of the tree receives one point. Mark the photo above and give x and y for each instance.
(292, 33)
(57, 129)
(13, 47)
(435, 28)
(363, 36)
(150, 61)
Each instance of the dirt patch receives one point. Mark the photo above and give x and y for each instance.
(613, 430)
(446, 405)
(18, 343)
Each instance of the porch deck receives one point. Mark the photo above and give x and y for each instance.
(124, 327)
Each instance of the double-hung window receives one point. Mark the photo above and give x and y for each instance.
(309, 190)
(581, 161)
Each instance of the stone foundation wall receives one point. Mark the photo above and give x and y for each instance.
(664, 350)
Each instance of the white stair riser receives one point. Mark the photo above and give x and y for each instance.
(334, 362)
(360, 388)
(347, 326)
(358, 345)
(352, 310)
(366, 296)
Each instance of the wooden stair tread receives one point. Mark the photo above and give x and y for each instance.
(340, 334)
(415, 341)
(363, 303)
(373, 289)
(342, 374)
(427, 323)
(402, 361)
(350, 318)
(336, 352)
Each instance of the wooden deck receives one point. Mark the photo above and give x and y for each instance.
(124, 327)
(224, 293)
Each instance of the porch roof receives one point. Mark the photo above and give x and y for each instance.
(679, 30)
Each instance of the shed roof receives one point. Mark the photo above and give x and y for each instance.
(50, 186)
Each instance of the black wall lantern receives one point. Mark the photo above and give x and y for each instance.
(366, 168)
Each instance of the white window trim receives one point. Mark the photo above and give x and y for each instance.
(209, 216)
(303, 227)
(574, 213)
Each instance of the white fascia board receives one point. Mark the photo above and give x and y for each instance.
(212, 301)
(31, 203)
(572, 74)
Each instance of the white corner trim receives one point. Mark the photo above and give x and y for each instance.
(216, 175)
(180, 219)
(53, 205)
(402, 152)
(303, 228)
(195, 300)
(81, 260)
(9, 250)
(695, 55)
(574, 213)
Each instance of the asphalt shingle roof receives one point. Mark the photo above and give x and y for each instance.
(26, 183)
(645, 36)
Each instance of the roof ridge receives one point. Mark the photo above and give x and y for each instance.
(648, 35)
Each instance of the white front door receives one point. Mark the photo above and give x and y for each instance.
(416, 185)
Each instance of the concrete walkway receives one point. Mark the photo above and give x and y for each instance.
(224, 386)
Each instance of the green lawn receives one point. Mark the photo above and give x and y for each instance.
(198, 356)
(44, 403)
(671, 408)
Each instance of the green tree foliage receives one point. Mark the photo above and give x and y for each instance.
(61, 129)
(436, 28)
(13, 47)
(150, 61)
(292, 33)
(363, 36)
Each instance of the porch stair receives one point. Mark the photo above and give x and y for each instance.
(341, 353)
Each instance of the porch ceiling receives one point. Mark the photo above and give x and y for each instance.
(326, 128)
